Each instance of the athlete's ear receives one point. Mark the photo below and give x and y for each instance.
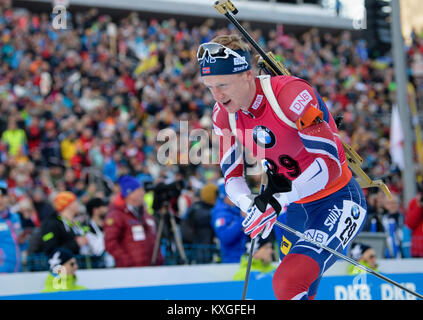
(249, 75)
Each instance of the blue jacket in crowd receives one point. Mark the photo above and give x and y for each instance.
(227, 224)
(10, 253)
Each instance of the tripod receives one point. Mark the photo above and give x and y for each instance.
(163, 214)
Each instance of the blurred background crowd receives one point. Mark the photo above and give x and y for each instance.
(80, 111)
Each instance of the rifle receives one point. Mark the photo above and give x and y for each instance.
(273, 67)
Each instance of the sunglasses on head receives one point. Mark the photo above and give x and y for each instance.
(216, 51)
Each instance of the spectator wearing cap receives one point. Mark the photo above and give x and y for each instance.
(365, 255)
(129, 231)
(97, 209)
(196, 228)
(62, 275)
(226, 221)
(261, 264)
(61, 229)
(10, 230)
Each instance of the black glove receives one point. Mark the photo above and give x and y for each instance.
(276, 183)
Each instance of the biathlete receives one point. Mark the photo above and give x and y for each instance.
(283, 120)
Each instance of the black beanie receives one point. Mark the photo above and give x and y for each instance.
(357, 250)
(59, 257)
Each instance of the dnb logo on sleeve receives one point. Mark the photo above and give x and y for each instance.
(264, 137)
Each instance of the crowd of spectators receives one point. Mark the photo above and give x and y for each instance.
(82, 107)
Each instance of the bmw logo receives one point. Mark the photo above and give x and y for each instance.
(355, 212)
(263, 137)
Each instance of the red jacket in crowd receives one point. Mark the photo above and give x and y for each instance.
(414, 220)
(129, 239)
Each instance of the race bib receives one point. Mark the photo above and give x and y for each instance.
(350, 221)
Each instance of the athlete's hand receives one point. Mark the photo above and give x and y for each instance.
(263, 209)
(257, 222)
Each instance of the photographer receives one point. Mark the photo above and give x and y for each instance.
(414, 221)
(165, 208)
(166, 196)
(129, 231)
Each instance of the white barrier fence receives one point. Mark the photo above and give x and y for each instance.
(204, 275)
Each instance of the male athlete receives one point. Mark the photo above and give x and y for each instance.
(298, 139)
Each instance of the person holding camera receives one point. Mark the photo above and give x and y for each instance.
(129, 231)
(165, 212)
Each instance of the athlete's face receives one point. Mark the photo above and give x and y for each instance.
(234, 91)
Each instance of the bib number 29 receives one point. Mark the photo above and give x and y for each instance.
(287, 162)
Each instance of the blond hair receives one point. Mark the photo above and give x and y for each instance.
(232, 41)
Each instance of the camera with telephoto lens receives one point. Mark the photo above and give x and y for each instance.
(164, 193)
